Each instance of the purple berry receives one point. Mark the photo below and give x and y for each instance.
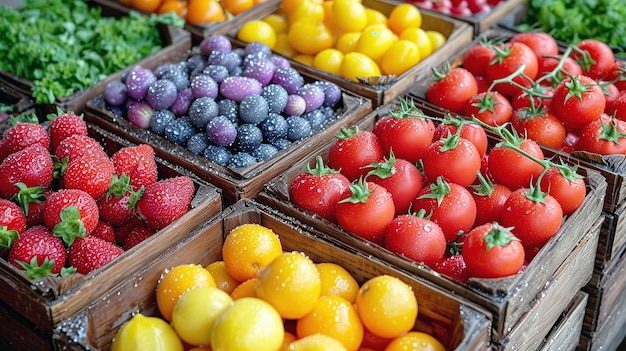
(180, 107)
(138, 80)
(217, 72)
(237, 88)
(204, 86)
(161, 94)
(257, 49)
(221, 131)
(295, 105)
(115, 93)
(214, 43)
(140, 113)
(260, 69)
(280, 61)
(332, 92)
(313, 96)
(288, 78)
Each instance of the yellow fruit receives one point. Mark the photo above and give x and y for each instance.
(290, 283)
(401, 56)
(146, 333)
(174, 282)
(347, 42)
(356, 64)
(349, 15)
(437, 39)
(283, 47)
(248, 248)
(418, 37)
(309, 37)
(307, 9)
(337, 281)
(328, 60)
(374, 41)
(278, 22)
(245, 289)
(195, 313)
(316, 342)
(404, 16)
(248, 324)
(387, 306)
(375, 17)
(257, 30)
(304, 59)
(223, 280)
(415, 341)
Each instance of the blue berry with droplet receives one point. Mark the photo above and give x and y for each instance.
(242, 160)
(265, 152)
(249, 137)
(298, 128)
(160, 120)
(274, 127)
(276, 97)
(179, 131)
(161, 94)
(253, 109)
(198, 142)
(202, 111)
(217, 154)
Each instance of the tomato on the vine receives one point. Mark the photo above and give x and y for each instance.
(617, 106)
(452, 88)
(454, 158)
(491, 251)
(600, 61)
(541, 43)
(470, 131)
(490, 199)
(566, 186)
(604, 136)
(577, 101)
(513, 169)
(416, 238)
(510, 57)
(491, 108)
(478, 57)
(353, 150)
(541, 126)
(319, 190)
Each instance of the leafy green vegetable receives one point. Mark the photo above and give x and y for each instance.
(572, 21)
(64, 46)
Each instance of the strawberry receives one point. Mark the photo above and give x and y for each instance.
(90, 174)
(122, 232)
(38, 252)
(118, 206)
(138, 163)
(70, 214)
(21, 136)
(136, 236)
(165, 201)
(31, 201)
(90, 253)
(104, 231)
(32, 166)
(63, 126)
(12, 223)
(78, 145)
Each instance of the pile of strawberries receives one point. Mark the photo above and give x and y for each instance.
(66, 206)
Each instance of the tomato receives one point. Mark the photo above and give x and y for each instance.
(367, 212)
(491, 251)
(510, 57)
(577, 101)
(353, 150)
(257, 30)
(348, 15)
(453, 267)
(541, 126)
(490, 199)
(604, 136)
(318, 190)
(618, 75)
(511, 168)
(329, 60)
(548, 65)
(470, 131)
(235, 7)
(400, 177)
(406, 133)
(452, 89)
(452, 205)
(148, 6)
(541, 43)
(177, 6)
(416, 238)
(617, 106)
(491, 108)
(541, 96)
(534, 215)
(454, 158)
(566, 186)
(478, 57)
(600, 61)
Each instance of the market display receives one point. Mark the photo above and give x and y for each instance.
(309, 174)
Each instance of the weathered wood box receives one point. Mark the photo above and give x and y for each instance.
(176, 43)
(47, 302)
(458, 324)
(508, 299)
(566, 333)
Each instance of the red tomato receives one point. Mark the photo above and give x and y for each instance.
(618, 75)
(416, 238)
(541, 95)
(367, 212)
(541, 43)
(319, 190)
(401, 178)
(454, 158)
(541, 126)
(491, 251)
(490, 199)
(452, 89)
(577, 101)
(566, 186)
(453, 267)
(470, 131)
(548, 64)
(353, 150)
(407, 135)
(511, 168)
(452, 205)
(617, 106)
(601, 58)
(534, 215)
(604, 136)
(510, 58)
(493, 109)
(478, 57)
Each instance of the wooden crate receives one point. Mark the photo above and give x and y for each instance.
(458, 324)
(458, 34)
(20, 334)
(508, 298)
(565, 334)
(176, 42)
(47, 302)
(612, 167)
(239, 183)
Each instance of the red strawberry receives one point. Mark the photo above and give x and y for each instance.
(90, 174)
(78, 145)
(70, 214)
(165, 201)
(138, 163)
(12, 223)
(32, 166)
(31, 201)
(21, 136)
(137, 235)
(122, 232)
(63, 126)
(38, 252)
(104, 231)
(118, 205)
(91, 253)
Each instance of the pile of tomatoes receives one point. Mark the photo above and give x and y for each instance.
(458, 7)
(194, 11)
(578, 94)
(420, 188)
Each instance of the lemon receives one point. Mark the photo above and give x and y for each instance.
(316, 342)
(146, 333)
(356, 64)
(257, 30)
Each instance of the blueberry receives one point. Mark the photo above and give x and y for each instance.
(273, 127)
(265, 152)
(298, 128)
(317, 119)
(160, 120)
(161, 94)
(229, 109)
(217, 72)
(203, 110)
(332, 92)
(242, 160)
(179, 131)
(197, 143)
(253, 109)
(249, 137)
(276, 97)
(281, 143)
(175, 73)
(217, 154)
